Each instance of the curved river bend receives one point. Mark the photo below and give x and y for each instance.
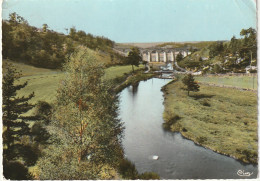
(141, 109)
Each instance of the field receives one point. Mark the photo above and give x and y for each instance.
(44, 82)
(245, 82)
(222, 119)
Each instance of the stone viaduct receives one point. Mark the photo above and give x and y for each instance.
(157, 54)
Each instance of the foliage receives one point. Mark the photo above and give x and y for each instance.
(216, 49)
(149, 176)
(216, 69)
(190, 84)
(179, 57)
(86, 133)
(134, 57)
(127, 170)
(44, 47)
(16, 126)
(15, 170)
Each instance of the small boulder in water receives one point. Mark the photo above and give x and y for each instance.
(155, 157)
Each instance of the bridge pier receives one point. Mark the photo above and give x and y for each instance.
(157, 58)
(172, 57)
(148, 57)
(164, 57)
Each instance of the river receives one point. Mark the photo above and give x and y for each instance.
(141, 109)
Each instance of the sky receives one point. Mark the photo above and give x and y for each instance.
(141, 20)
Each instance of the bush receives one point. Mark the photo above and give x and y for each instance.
(205, 103)
(253, 71)
(44, 110)
(149, 176)
(16, 171)
(168, 122)
(127, 169)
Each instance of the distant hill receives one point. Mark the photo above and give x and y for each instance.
(198, 44)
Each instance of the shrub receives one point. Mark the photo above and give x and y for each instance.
(184, 130)
(44, 110)
(253, 71)
(205, 103)
(201, 139)
(15, 171)
(127, 169)
(149, 176)
(168, 122)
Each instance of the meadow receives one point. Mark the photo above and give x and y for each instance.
(45, 82)
(239, 81)
(222, 119)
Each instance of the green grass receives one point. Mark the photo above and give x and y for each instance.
(45, 84)
(246, 81)
(222, 119)
(117, 71)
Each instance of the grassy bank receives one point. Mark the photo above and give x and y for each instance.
(241, 81)
(222, 119)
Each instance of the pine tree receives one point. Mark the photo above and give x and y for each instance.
(190, 84)
(15, 125)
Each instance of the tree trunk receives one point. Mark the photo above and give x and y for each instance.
(133, 68)
(188, 93)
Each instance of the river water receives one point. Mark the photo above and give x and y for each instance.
(141, 109)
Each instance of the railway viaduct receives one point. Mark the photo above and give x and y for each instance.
(157, 54)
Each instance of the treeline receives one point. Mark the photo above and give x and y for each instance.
(238, 53)
(225, 56)
(44, 47)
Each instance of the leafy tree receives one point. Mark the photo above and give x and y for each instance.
(44, 27)
(248, 51)
(15, 125)
(217, 68)
(134, 57)
(179, 57)
(234, 45)
(215, 49)
(85, 130)
(190, 84)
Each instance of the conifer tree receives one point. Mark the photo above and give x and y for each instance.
(15, 125)
(190, 84)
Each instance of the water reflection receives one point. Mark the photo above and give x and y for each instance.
(141, 110)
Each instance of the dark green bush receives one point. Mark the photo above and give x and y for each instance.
(127, 169)
(15, 171)
(167, 124)
(149, 176)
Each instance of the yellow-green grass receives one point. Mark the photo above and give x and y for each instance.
(222, 119)
(117, 71)
(28, 70)
(242, 81)
(45, 85)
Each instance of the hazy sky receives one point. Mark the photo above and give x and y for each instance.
(141, 20)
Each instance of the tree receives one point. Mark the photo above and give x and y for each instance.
(45, 27)
(15, 125)
(134, 57)
(216, 49)
(190, 84)
(85, 131)
(179, 57)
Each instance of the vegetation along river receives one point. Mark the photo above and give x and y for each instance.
(141, 109)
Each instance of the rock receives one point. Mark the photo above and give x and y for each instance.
(155, 157)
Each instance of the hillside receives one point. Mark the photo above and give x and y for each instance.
(46, 48)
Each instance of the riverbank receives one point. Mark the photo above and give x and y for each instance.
(219, 118)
